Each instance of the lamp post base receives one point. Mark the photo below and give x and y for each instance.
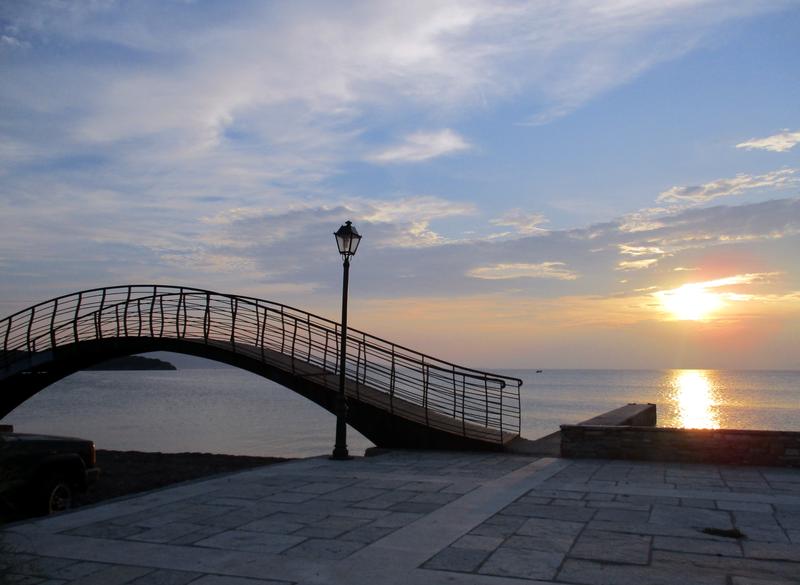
(340, 454)
(340, 445)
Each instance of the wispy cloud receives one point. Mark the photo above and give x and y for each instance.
(422, 146)
(703, 227)
(636, 264)
(738, 279)
(402, 222)
(12, 42)
(418, 207)
(410, 218)
(502, 271)
(727, 187)
(780, 142)
(523, 223)
(630, 250)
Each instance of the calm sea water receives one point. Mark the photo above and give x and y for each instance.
(225, 410)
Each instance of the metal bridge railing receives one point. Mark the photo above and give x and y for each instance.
(407, 383)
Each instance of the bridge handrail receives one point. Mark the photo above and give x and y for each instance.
(255, 301)
(88, 313)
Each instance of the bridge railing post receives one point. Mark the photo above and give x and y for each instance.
(152, 310)
(75, 320)
(366, 359)
(425, 372)
(501, 412)
(30, 325)
(486, 398)
(463, 404)
(161, 316)
(100, 319)
(358, 367)
(234, 311)
(125, 313)
(392, 381)
(263, 330)
(294, 340)
(283, 332)
(207, 319)
(308, 327)
(337, 339)
(185, 321)
(53, 325)
(325, 352)
(455, 392)
(8, 332)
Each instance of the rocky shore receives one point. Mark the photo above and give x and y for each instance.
(129, 472)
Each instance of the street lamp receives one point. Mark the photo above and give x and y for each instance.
(347, 240)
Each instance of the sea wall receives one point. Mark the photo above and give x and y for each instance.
(649, 443)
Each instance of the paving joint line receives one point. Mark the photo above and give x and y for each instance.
(681, 493)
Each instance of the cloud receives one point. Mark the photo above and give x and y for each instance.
(411, 208)
(301, 78)
(642, 221)
(12, 42)
(727, 187)
(703, 227)
(400, 222)
(593, 48)
(522, 222)
(636, 264)
(780, 142)
(639, 250)
(422, 146)
(554, 270)
(738, 279)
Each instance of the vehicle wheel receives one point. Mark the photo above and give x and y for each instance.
(55, 496)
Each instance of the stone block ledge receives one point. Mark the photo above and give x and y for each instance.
(649, 443)
(631, 414)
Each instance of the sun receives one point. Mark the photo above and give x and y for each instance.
(690, 302)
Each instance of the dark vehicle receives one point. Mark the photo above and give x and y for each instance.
(39, 474)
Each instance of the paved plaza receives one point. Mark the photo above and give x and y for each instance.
(432, 518)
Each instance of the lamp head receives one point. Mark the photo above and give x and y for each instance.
(347, 240)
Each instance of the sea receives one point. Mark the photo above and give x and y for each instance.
(211, 408)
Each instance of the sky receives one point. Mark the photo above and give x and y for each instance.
(572, 184)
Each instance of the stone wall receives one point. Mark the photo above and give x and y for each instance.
(739, 447)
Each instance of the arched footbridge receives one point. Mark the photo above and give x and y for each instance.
(397, 397)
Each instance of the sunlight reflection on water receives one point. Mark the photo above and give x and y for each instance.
(695, 396)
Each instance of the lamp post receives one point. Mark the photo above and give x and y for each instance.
(347, 240)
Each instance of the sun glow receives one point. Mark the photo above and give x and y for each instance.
(690, 302)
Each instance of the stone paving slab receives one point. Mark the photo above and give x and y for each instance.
(430, 518)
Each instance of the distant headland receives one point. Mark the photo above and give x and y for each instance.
(133, 362)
